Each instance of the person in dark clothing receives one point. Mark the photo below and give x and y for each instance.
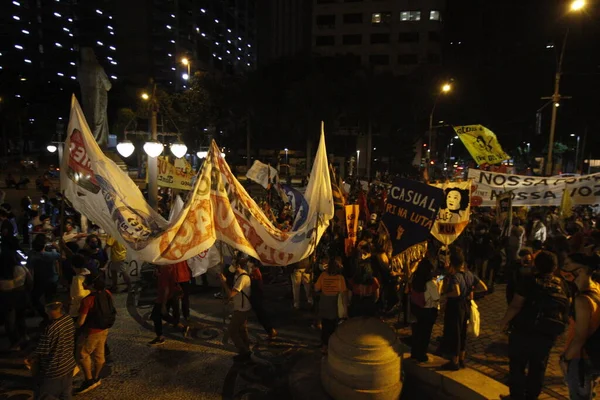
(516, 270)
(258, 301)
(364, 292)
(42, 264)
(459, 290)
(536, 324)
(425, 301)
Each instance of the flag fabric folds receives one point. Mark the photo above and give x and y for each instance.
(482, 144)
(218, 207)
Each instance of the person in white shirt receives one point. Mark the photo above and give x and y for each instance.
(240, 295)
(425, 303)
(538, 230)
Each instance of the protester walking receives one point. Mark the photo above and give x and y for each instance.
(96, 316)
(425, 302)
(240, 295)
(332, 286)
(167, 298)
(579, 362)
(459, 290)
(53, 361)
(257, 298)
(183, 276)
(301, 276)
(537, 315)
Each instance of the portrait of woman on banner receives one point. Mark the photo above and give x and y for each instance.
(456, 205)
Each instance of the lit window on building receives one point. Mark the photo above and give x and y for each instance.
(381, 18)
(72, 77)
(109, 27)
(72, 63)
(60, 74)
(25, 31)
(112, 47)
(28, 61)
(169, 27)
(66, 29)
(57, 15)
(216, 21)
(172, 15)
(376, 18)
(58, 44)
(16, 3)
(203, 10)
(435, 15)
(99, 12)
(99, 43)
(16, 18)
(18, 47)
(113, 62)
(410, 16)
(114, 77)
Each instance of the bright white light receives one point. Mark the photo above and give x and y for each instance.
(172, 15)
(216, 21)
(248, 64)
(217, 43)
(203, 34)
(557, 105)
(66, 29)
(70, 35)
(125, 148)
(109, 27)
(153, 148)
(72, 63)
(228, 52)
(16, 3)
(28, 61)
(99, 12)
(70, 19)
(178, 149)
(172, 41)
(109, 58)
(229, 41)
(173, 69)
(114, 77)
(15, 17)
(57, 15)
(578, 5)
(185, 76)
(203, 10)
(249, 45)
(18, 96)
(60, 74)
(229, 30)
(239, 49)
(239, 38)
(25, 32)
(18, 46)
(51, 148)
(112, 33)
(58, 44)
(202, 154)
(99, 43)
(113, 62)
(240, 58)
(220, 58)
(455, 137)
(110, 17)
(72, 77)
(169, 27)
(112, 47)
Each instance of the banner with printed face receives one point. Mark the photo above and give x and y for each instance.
(533, 190)
(482, 144)
(352, 212)
(454, 213)
(170, 176)
(262, 174)
(218, 207)
(410, 212)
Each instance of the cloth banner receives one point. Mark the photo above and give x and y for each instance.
(209, 258)
(217, 207)
(262, 174)
(533, 190)
(411, 209)
(170, 176)
(454, 213)
(482, 144)
(504, 212)
(351, 227)
(298, 203)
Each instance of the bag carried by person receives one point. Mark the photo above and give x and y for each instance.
(103, 314)
(550, 306)
(474, 320)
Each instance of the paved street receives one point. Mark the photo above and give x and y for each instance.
(200, 367)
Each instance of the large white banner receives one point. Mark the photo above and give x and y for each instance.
(533, 190)
(218, 207)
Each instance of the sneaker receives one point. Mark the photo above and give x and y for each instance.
(243, 357)
(86, 386)
(157, 341)
(450, 366)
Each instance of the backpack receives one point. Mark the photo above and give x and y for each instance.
(549, 307)
(103, 314)
(592, 344)
(256, 292)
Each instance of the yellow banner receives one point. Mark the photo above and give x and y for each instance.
(352, 212)
(482, 144)
(170, 176)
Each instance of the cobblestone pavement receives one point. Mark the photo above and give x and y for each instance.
(200, 366)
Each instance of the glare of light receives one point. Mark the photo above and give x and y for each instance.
(74, 78)
(172, 15)
(109, 27)
(178, 149)
(112, 47)
(109, 58)
(70, 35)
(16, 3)
(70, 19)
(153, 148)
(169, 27)
(249, 45)
(185, 61)
(25, 32)
(28, 61)
(18, 95)
(550, 46)
(202, 154)
(572, 135)
(455, 137)
(578, 5)
(18, 46)
(145, 96)
(60, 74)
(173, 41)
(24, 79)
(72, 63)
(113, 62)
(216, 21)
(125, 148)
(185, 77)
(446, 87)
(239, 38)
(203, 34)
(557, 105)
(114, 77)
(248, 64)
(99, 12)
(51, 148)
(203, 10)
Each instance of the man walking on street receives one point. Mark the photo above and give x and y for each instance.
(238, 326)
(96, 316)
(538, 314)
(53, 362)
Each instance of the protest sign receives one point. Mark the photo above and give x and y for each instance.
(218, 206)
(533, 190)
(170, 176)
(454, 213)
(351, 227)
(481, 143)
(504, 212)
(410, 213)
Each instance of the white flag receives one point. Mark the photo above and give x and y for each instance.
(261, 173)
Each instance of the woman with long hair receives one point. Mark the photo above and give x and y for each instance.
(364, 293)
(331, 284)
(425, 302)
(458, 289)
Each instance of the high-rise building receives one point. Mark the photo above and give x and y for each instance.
(389, 35)
(208, 34)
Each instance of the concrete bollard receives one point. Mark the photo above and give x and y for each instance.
(363, 362)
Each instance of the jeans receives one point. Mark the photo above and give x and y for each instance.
(527, 351)
(238, 331)
(578, 369)
(54, 388)
(301, 277)
(455, 326)
(157, 316)
(422, 329)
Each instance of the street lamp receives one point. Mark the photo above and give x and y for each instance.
(444, 89)
(153, 148)
(179, 149)
(186, 61)
(576, 6)
(185, 76)
(51, 148)
(357, 161)
(145, 96)
(125, 148)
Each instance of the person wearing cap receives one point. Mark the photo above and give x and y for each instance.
(574, 361)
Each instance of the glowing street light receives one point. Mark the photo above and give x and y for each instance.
(179, 149)
(185, 61)
(153, 148)
(145, 96)
(125, 148)
(185, 76)
(446, 88)
(578, 5)
(51, 148)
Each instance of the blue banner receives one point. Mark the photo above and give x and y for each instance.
(298, 203)
(410, 212)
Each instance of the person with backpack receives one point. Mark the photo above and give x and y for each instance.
(580, 361)
(96, 316)
(458, 289)
(537, 315)
(240, 293)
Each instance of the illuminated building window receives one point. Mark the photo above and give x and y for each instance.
(435, 15)
(410, 16)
